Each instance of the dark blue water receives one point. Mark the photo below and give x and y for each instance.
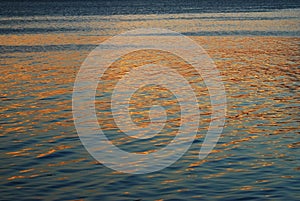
(119, 7)
(199, 18)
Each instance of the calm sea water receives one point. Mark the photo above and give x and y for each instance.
(255, 46)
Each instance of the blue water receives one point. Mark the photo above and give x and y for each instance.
(119, 7)
(255, 45)
(102, 17)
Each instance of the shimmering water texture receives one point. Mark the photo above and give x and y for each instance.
(276, 23)
(147, 73)
(257, 155)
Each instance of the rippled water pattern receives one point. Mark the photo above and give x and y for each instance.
(276, 23)
(257, 157)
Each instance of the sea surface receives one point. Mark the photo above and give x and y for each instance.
(254, 44)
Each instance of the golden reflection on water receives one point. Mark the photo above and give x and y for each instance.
(260, 75)
(145, 97)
